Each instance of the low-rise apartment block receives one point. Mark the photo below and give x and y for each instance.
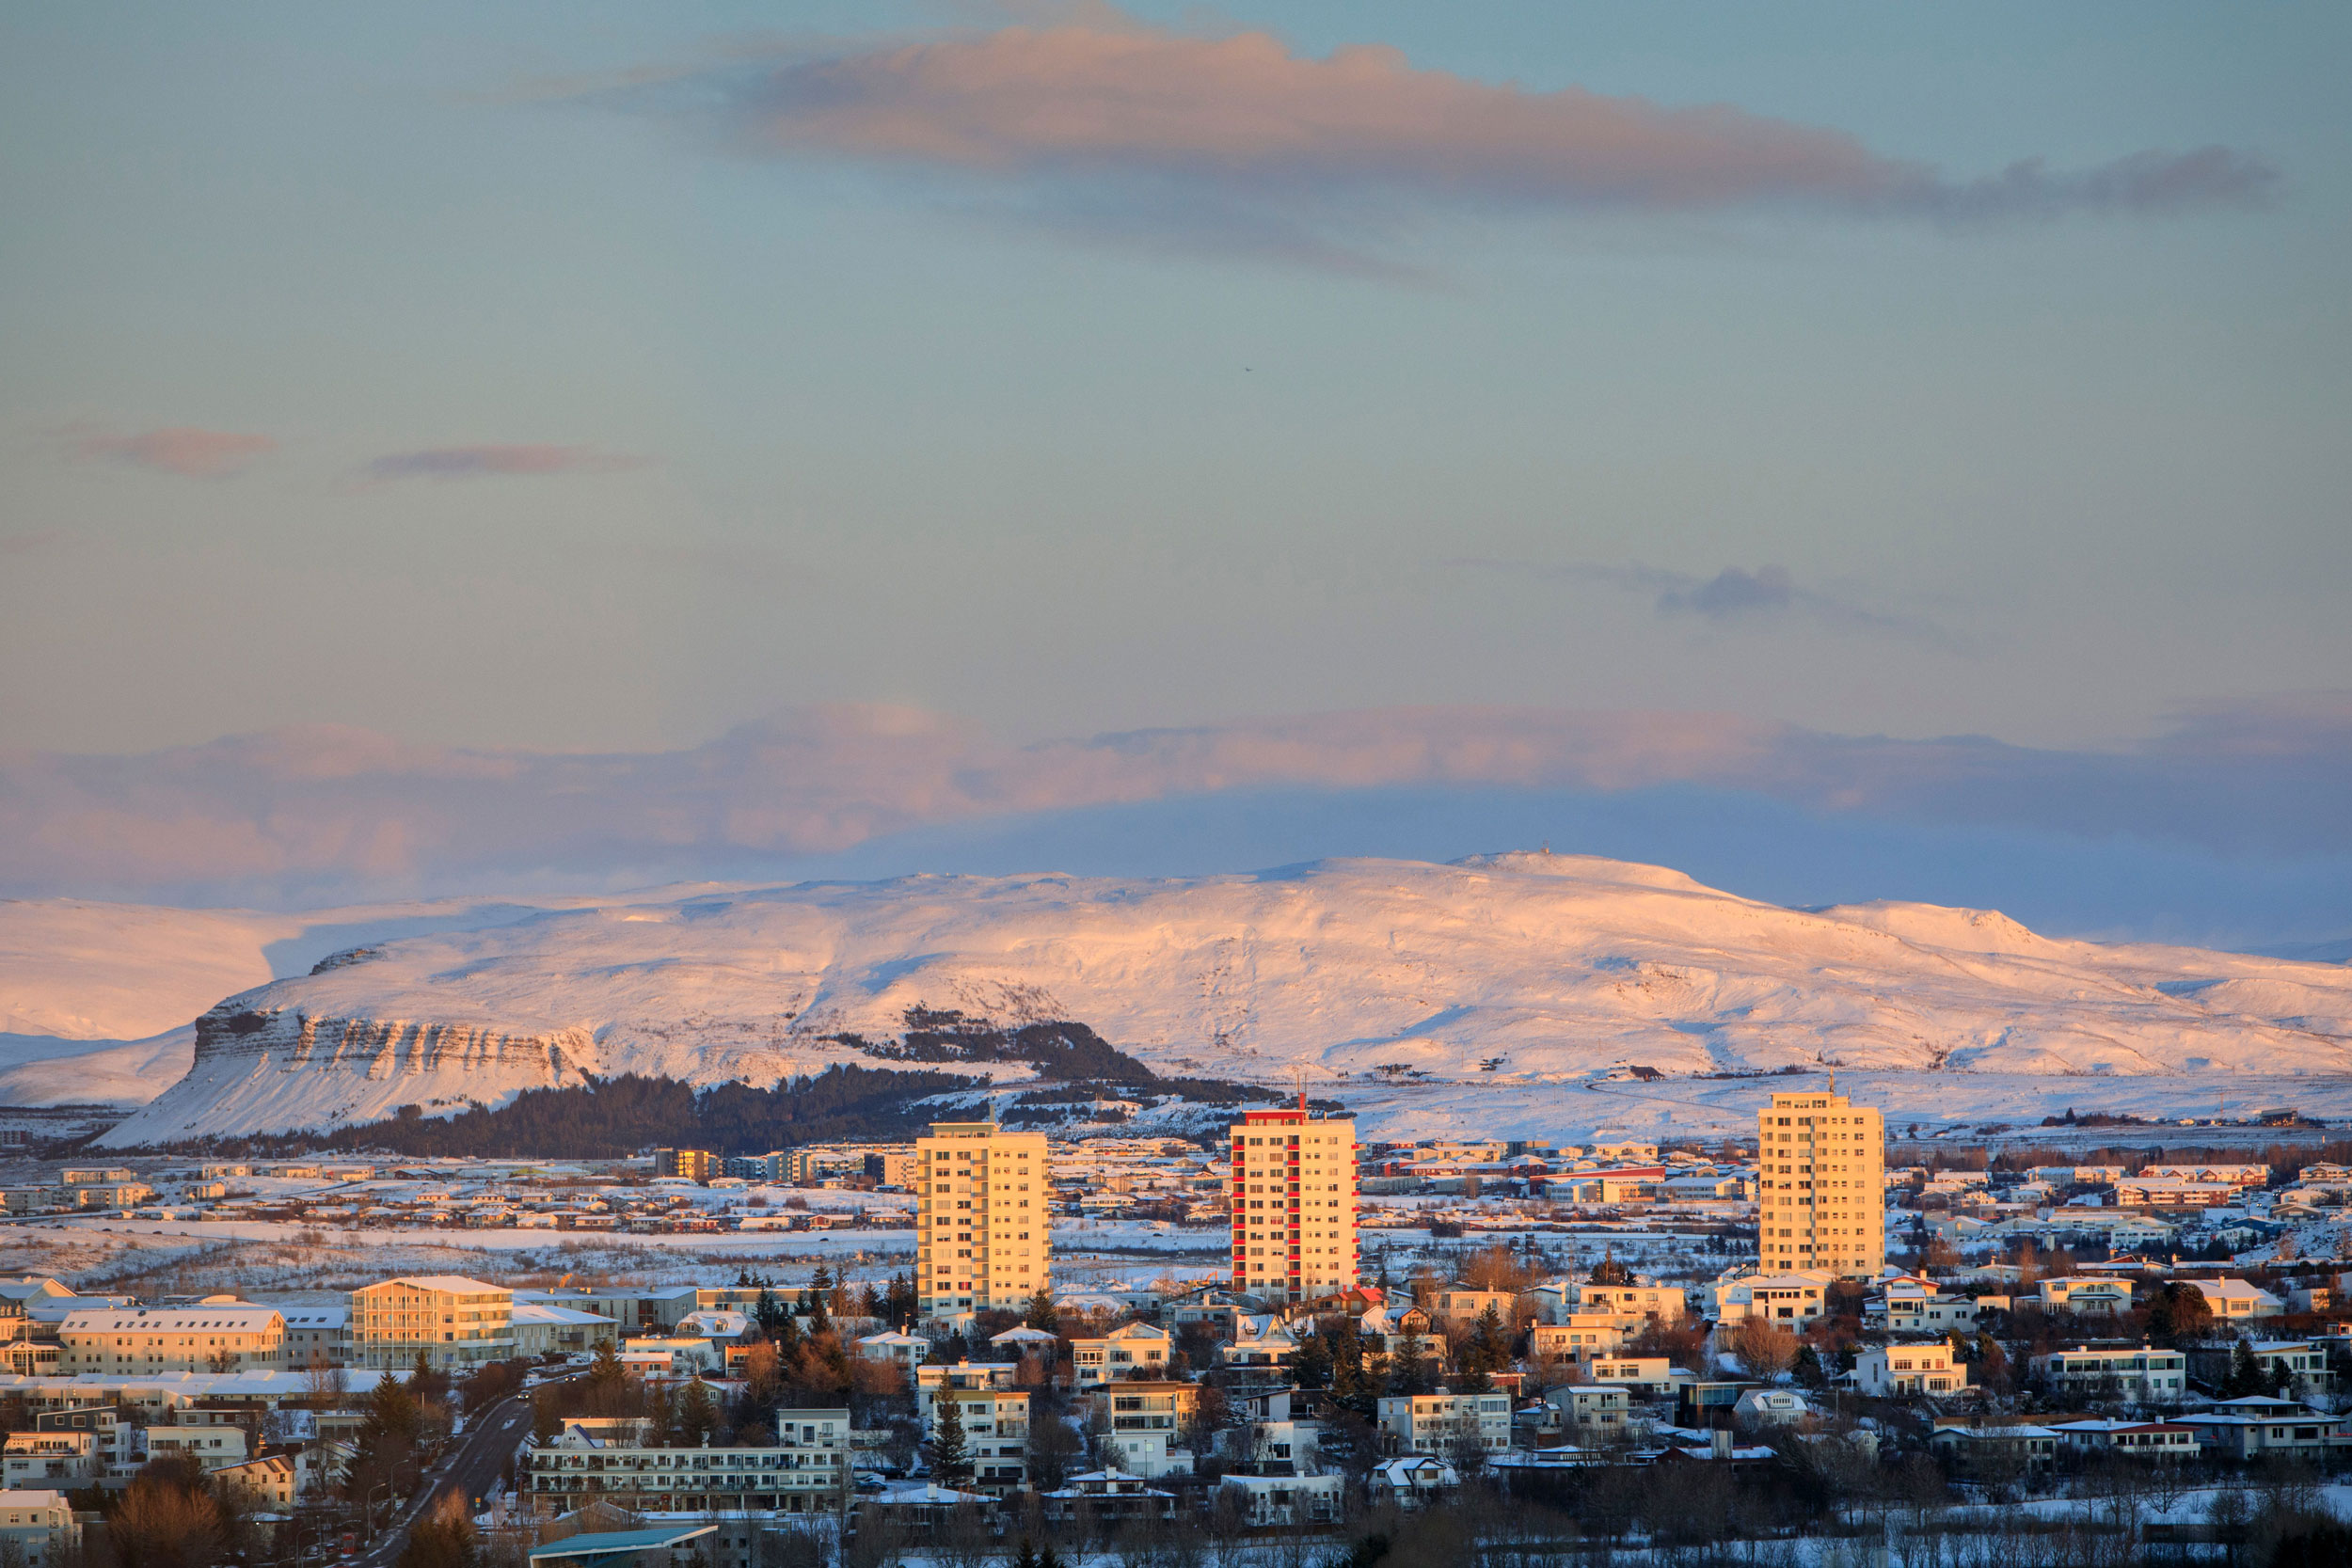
(1928, 1368)
(223, 1336)
(452, 1320)
(1147, 1425)
(1434, 1423)
(610, 1459)
(2120, 1371)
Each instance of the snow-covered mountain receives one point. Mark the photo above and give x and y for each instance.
(1519, 967)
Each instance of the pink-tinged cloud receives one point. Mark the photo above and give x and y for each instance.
(480, 460)
(180, 449)
(1200, 122)
(327, 814)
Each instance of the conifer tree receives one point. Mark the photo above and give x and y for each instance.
(1041, 1315)
(951, 1458)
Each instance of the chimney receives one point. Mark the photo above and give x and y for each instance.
(1720, 1445)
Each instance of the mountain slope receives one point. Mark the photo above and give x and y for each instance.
(1558, 965)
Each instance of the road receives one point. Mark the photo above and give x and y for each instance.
(471, 1471)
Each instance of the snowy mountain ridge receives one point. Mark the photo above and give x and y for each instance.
(1524, 968)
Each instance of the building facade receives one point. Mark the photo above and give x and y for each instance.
(224, 1337)
(453, 1321)
(1293, 1205)
(1821, 1186)
(983, 1236)
(612, 1459)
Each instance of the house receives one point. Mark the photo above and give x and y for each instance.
(1928, 1368)
(39, 1523)
(2302, 1364)
(1643, 1376)
(932, 1376)
(2257, 1424)
(1434, 1423)
(2081, 1294)
(1284, 1500)
(1556, 1300)
(2138, 1439)
(906, 1350)
(273, 1478)
(2133, 1372)
(1109, 1496)
(1459, 1304)
(1262, 1342)
(2235, 1298)
(541, 1330)
(996, 1433)
(1411, 1481)
(1147, 1422)
(1598, 1408)
(59, 1460)
(1993, 1452)
(1029, 1344)
(1793, 1299)
(1770, 1407)
(1582, 1336)
(1130, 1350)
(1910, 1304)
(214, 1447)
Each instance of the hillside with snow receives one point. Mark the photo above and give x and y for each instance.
(1524, 968)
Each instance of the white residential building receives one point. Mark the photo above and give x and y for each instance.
(2235, 1298)
(1821, 1186)
(1791, 1299)
(453, 1321)
(1927, 1368)
(1130, 1350)
(1293, 1205)
(983, 1236)
(40, 1523)
(1147, 1425)
(212, 1337)
(1434, 1423)
(2082, 1293)
(2133, 1372)
(906, 1350)
(1301, 1499)
(996, 1433)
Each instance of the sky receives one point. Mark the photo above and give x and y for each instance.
(485, 390)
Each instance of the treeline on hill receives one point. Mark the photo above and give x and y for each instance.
(1070, 1052)
(610, 1118)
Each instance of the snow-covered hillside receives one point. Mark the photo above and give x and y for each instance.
(1545, 967)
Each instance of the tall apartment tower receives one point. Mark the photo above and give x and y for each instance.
(1293, 1196)
(982, 1234)
(1821, 1185)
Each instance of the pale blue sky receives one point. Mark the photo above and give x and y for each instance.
(914, 435)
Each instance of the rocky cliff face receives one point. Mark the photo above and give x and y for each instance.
(266, 1067)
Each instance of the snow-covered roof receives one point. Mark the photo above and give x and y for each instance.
(453, 1284)
(241, 1318)
(539, 1314)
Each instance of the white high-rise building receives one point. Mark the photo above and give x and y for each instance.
(981, 1232)
(1820, 1186)
(1294, 1204)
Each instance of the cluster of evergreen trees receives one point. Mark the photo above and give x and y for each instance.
(611, 1118)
